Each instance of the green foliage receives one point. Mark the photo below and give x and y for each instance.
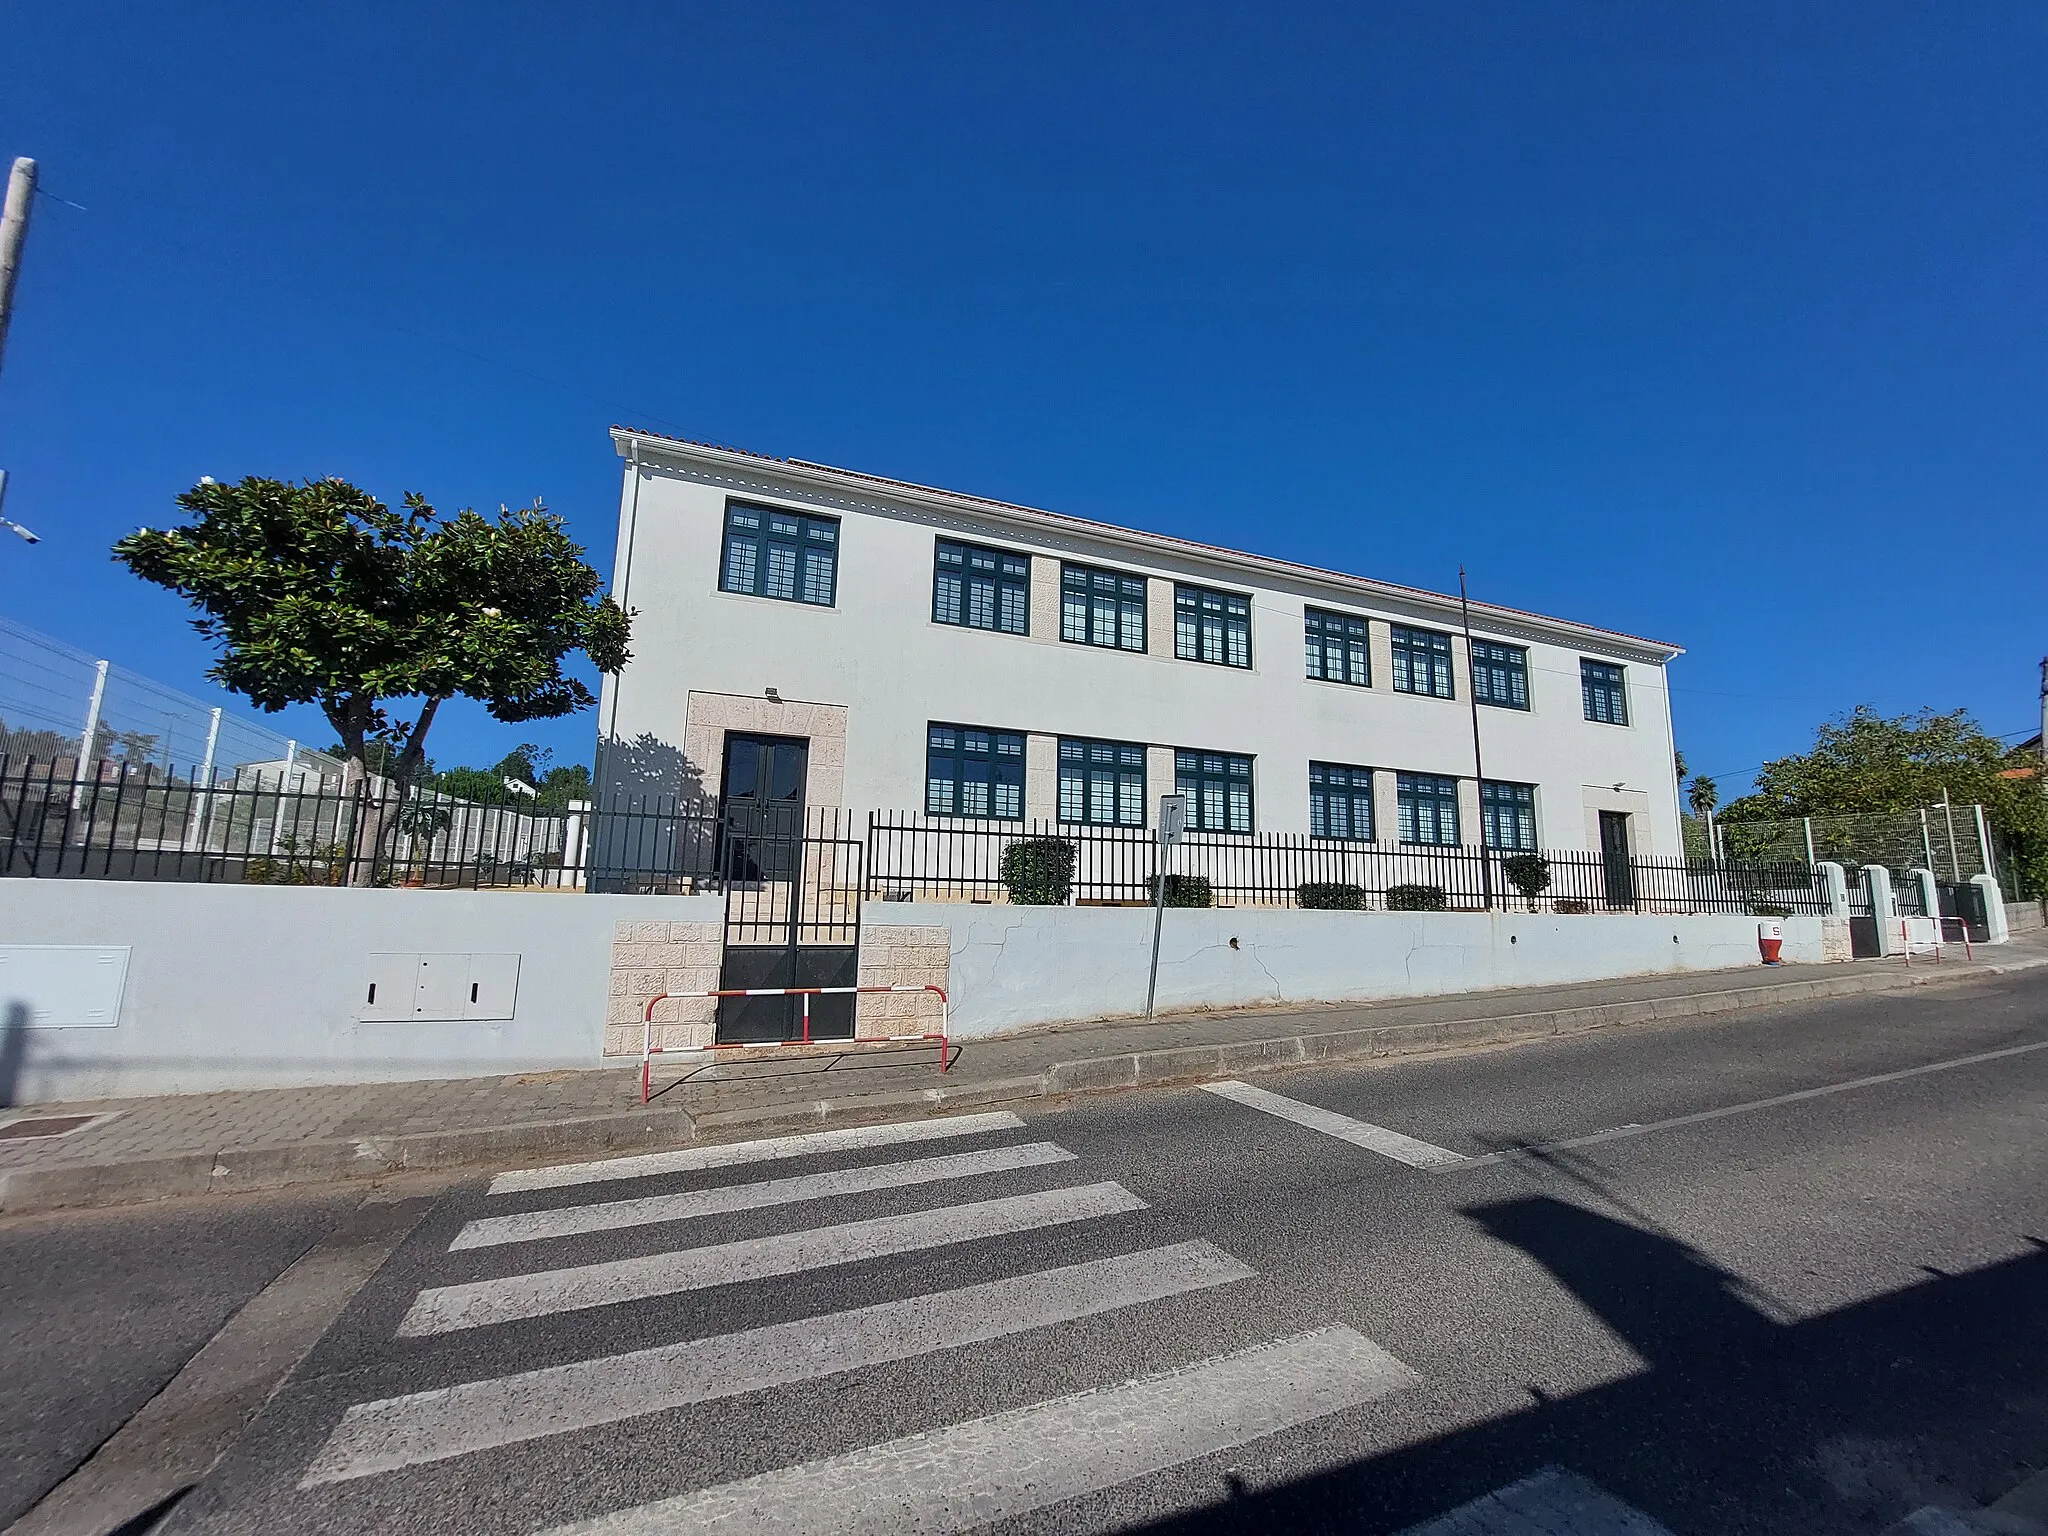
(1329, 896)
(1416, 898)
(1182, 891)
(320, 594)
(1039, 871)
(554, 787)
(316, 864)
(1528, 873)
(1864, 761)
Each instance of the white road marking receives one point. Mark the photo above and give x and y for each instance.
(1551, 1501)
(1702, 1117)
(449, 1307)
(696, 1159)
(481, 1415)
(965, 1476)
(571, 1221)
(1374, 1138)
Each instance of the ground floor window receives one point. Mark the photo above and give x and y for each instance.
(1508, 813)
(1219, 790)
(1428, 809)
(1102, 783)
(1340, 801)
(970, 771)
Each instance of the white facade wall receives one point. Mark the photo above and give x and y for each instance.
(887, 669)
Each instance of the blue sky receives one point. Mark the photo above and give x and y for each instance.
(1721, 324)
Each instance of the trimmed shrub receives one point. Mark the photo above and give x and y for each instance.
(1571, 906)
(1330, 896)
(1039, 871)
(1182, 891)
(1528, 873)
(1415, 898)
(1768, 909)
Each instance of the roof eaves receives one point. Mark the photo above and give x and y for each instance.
(1118, 533)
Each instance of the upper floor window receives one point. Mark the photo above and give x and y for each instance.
(1507, 812)
(1337, 648)
(1422, 662)
(1500, 674)
(1212, 626)
(1102, 782)
(974, 772)
(780, 554)
(1219, 790)
(1606, 692)
(1340, 801)
(981, 588)
(1428, 808)
(1102, 608)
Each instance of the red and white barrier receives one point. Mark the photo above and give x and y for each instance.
(649, 1050)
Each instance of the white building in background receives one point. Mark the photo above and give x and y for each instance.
(811, 632)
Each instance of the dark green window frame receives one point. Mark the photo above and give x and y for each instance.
(1427, 809)
(1099, 607)
(1500, 674)
(1102, 783)
(788, 556)
(1339, 647)
(1422, 662)
(1605, 686)
(1212, 627)
(1340, 802)
(1219, 790)
(1507, 815)
(974, 772)
(978, 588)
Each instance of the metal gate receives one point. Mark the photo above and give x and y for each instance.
(1862, 917)
(792, 918)
(1962, 913)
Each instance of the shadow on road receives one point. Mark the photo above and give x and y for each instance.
(1739, 1423)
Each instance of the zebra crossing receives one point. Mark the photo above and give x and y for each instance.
(951, 1476)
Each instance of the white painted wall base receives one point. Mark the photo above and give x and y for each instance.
(1017, 966)
(239, 986)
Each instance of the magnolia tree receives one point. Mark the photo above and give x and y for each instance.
(320, 594)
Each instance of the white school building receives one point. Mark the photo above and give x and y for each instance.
(817, 634)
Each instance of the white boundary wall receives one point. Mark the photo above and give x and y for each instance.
(1012, 967)
(232, 986)
(239, 986)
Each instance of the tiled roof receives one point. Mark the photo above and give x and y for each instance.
(1115, 530)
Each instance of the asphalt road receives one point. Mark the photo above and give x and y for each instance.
(98, 1312)
(1186, 1312)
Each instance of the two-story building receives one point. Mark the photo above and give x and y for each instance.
(844, 639)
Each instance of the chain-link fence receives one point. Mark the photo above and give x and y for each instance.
(1952, 840)
(58, 703)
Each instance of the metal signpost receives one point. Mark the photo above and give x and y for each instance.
(1173, 823)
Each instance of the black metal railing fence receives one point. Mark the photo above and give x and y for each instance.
(117, 821)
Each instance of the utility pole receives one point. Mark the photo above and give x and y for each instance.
(1478, 766)
(2044, 709)
(21, 197)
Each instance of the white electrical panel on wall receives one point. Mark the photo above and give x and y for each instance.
(400, 987)
(61, 986)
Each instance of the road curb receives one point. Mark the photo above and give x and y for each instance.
(30, 1190)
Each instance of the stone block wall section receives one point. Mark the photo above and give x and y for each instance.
(919, 955)
(650, 958)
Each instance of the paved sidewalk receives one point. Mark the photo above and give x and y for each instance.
(221, 1142)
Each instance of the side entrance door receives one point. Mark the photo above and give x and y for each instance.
(791, 901)
(1620, 873)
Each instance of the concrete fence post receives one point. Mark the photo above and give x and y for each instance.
(1878, 880)
(1834, 884)
(1995, 925)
